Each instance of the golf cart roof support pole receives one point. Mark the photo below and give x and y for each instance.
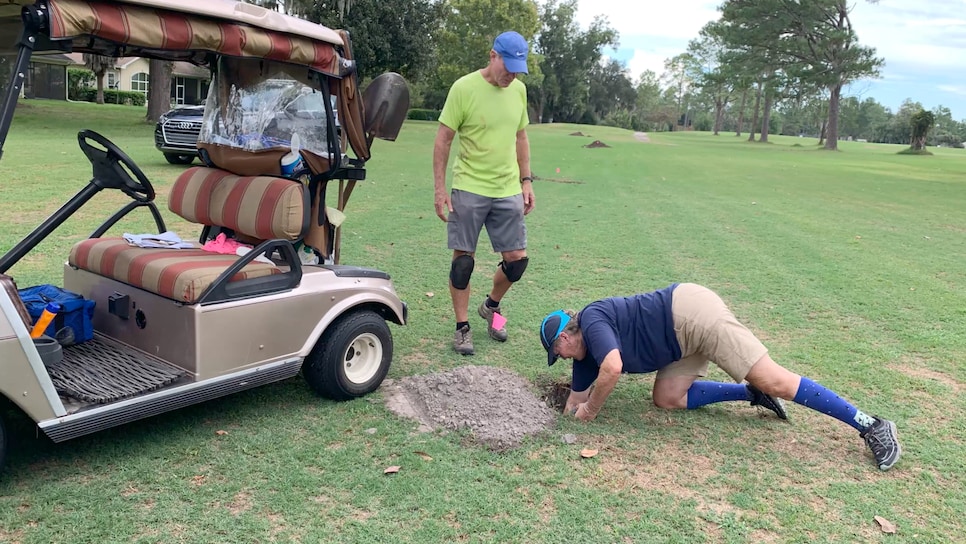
(34, 20)
(49, 225)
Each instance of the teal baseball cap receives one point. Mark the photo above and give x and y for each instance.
(550, 329)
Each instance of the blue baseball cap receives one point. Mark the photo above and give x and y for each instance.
(550, 329)
(513, 48)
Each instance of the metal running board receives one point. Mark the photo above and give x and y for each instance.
(101, 372)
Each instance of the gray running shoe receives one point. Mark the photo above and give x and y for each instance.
(883, 440)
(487, 313)
(774, 404)
(463, 341)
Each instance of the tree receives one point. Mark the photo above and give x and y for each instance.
(610, 91)
(465, 35)
(99, 65)
(568, 55)
(159, 88)
(921, 122)
(811, 40)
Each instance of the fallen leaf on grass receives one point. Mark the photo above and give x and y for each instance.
(430, 294)
(886, 525)
(392, 470)
(424, 455)
(587, 453)
(221, 433)
(198, 479)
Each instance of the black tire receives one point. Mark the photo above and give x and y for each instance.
(175, 158)
(351, 358)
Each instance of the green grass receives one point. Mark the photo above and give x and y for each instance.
(849, 266)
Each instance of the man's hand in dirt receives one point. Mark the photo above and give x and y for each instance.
(584, 413)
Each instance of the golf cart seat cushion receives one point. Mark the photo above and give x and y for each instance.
(179, 274)
(261, 207)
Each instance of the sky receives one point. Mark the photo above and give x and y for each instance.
(923, 43)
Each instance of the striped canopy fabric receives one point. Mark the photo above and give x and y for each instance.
(137, 27)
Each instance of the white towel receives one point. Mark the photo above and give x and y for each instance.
(166, 240)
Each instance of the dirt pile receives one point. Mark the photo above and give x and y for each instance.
(494, 404)
(597, 143)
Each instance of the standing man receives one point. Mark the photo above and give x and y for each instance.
(491, 180)
(675, 331)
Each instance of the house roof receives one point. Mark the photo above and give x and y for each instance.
(52, 58)
(180, 69)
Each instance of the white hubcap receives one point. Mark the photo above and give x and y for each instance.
(362, 358)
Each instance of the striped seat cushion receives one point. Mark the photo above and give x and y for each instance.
(179, 274)
(262, 207)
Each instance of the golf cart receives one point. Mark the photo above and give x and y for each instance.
(174, 324)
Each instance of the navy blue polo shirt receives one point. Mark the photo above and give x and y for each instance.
(640, 327)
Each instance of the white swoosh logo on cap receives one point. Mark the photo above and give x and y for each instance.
(519, 54)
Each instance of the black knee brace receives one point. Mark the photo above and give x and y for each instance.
(460, 271)
(514, 270)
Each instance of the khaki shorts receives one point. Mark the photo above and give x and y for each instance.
(708, 331)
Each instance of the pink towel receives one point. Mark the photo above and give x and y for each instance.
(223, 244)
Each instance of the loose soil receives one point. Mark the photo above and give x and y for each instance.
(597, 143)
(495, 405)
(642, 137)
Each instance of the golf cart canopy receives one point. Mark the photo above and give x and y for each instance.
(185, 30)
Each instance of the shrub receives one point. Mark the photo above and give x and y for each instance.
(112, 96)
(78, 79)
(419, 114)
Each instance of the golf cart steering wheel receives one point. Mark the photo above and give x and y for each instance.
(113, 169)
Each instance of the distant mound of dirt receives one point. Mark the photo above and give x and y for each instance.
(578, 133)
(494, 404)
(597, 143)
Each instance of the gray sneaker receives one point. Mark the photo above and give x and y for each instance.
(775, 404)
(883, 440)
(463, 341)
(487, 313)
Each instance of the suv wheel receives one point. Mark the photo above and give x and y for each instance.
(351, 358)
(175, 158)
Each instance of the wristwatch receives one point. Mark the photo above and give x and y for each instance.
(526, 178)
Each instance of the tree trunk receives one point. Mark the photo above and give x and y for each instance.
(741, 112)
(765, 118)
(719, 106)
(822, 132)
(100, 86)
(159, 89)
(832, 137)
(754, 118)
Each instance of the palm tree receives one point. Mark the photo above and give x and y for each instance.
(99, 65)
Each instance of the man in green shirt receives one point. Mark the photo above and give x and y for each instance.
(491, 180)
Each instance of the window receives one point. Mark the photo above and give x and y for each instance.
(112, 79)
(139, 83)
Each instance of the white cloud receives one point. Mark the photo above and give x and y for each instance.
(680, 19)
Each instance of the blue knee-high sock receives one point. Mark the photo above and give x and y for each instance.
(701, 393)
(824, 400)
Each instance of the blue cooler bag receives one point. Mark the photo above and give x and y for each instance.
(76, 311)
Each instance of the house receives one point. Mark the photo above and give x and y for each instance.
(48, 78)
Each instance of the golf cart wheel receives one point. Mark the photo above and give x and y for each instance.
(351, 358)
(175, 158)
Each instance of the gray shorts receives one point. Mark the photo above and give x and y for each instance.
(503, 218)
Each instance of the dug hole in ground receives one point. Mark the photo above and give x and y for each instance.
(495, 405)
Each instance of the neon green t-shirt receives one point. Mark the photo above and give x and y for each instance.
(487, 118)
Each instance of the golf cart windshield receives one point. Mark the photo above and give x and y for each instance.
(254, 105)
